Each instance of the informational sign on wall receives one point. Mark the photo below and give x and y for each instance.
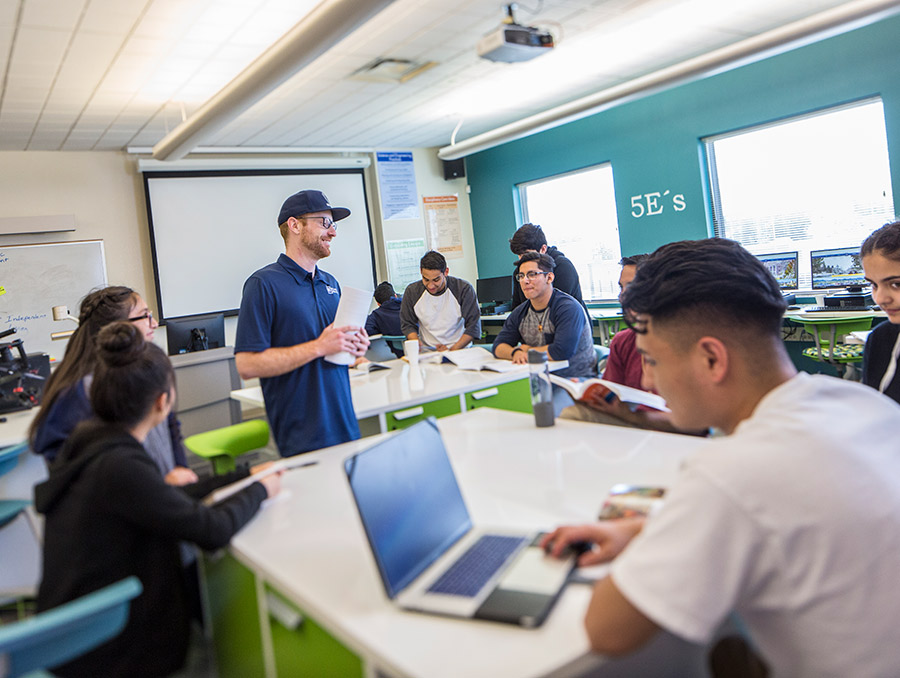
(397, 183)
(442, 225)
(403, 261)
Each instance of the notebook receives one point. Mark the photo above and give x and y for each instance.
(422, 536)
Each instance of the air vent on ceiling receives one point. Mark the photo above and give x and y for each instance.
(391, 70)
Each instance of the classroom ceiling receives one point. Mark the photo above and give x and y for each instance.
(108, 74)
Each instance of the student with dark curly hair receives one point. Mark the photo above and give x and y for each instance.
(788, 519)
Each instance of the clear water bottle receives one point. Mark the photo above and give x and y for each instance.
(541, 388)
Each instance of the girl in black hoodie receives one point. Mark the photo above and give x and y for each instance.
(109, 513)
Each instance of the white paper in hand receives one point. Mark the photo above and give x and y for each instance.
(352, 310)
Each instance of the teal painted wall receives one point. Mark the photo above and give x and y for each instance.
(654, 143)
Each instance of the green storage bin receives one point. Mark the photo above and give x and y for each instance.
(303, 648)
(234, 613)
(514, 396)
(399, 419)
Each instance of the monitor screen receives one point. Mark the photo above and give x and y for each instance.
(497, 290)
(837, 268)
(784, 267)
(195, 333)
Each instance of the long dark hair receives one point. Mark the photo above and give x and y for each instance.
(98, 309)
(131, 373)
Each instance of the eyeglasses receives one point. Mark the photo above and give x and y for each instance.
(531, 275)
(143, 316)
(326, 222)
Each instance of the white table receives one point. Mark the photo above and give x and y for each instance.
(382, 391)
(309, 545)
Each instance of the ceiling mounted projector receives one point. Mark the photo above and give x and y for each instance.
(511, 42)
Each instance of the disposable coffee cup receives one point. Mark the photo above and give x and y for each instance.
(411, 351)
(820, 300)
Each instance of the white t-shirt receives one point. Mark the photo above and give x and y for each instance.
(793, 522)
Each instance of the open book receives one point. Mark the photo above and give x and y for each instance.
(473, 358)
(370, 366)
(285, 464)
(627, 394)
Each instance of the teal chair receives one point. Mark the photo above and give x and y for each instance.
(20, 546)
(223, 445)
(59, 635)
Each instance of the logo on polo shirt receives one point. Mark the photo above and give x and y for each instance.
(331, 290)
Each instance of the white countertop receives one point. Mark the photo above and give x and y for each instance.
(383, 390)
(309, 544)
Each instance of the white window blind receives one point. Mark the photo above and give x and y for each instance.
(814, 182)
(577, 212)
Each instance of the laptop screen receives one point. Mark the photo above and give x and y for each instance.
(409, 502)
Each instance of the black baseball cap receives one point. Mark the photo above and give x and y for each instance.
(305, 202)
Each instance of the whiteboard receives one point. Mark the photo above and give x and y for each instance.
(35, 278)
(211, 230)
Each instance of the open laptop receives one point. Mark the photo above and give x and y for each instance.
(422, 538)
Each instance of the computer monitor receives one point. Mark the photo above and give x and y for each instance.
(494, 290)
(784, 267)
(837, 268)
(195, 333)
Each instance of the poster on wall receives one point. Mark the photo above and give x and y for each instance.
(397, 183)
(403, 261)
(442, 225)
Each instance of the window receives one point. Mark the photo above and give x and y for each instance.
(819, 181)
(577, 212)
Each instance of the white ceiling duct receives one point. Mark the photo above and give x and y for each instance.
(805, 31)
(327, 24)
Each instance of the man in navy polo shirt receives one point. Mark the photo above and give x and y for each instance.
(285, 328)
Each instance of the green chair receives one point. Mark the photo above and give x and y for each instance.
(59, 635)
(828, 334)
(223, 445)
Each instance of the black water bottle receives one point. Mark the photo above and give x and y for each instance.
(541, 388)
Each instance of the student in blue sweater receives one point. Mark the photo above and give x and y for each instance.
(65, 401)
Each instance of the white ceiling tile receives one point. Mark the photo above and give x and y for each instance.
(52, 13)
(132, 64)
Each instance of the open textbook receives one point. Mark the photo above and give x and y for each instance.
(627, 394)
(285, 464)
(473, 358)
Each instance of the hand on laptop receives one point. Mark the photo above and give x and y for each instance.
(606, 539)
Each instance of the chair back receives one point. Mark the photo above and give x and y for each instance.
(59, 635)
(223, 445)
(9, 457)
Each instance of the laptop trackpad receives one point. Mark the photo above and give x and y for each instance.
(536, 572)
(527, 591)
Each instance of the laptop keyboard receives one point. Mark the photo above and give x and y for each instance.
(832, 309)
(476, 566)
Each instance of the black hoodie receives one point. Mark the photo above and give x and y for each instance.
(109, 514)
(565, 278)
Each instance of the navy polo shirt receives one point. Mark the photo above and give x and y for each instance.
(282, 305)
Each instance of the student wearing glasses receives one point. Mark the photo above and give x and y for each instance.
(65, 402)
(880, 256)
(550, 321)
(286, 328)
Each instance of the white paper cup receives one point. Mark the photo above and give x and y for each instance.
(820, 300)
(411, 350)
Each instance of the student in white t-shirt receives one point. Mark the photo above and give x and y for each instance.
(791, 520)
(440, 311)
